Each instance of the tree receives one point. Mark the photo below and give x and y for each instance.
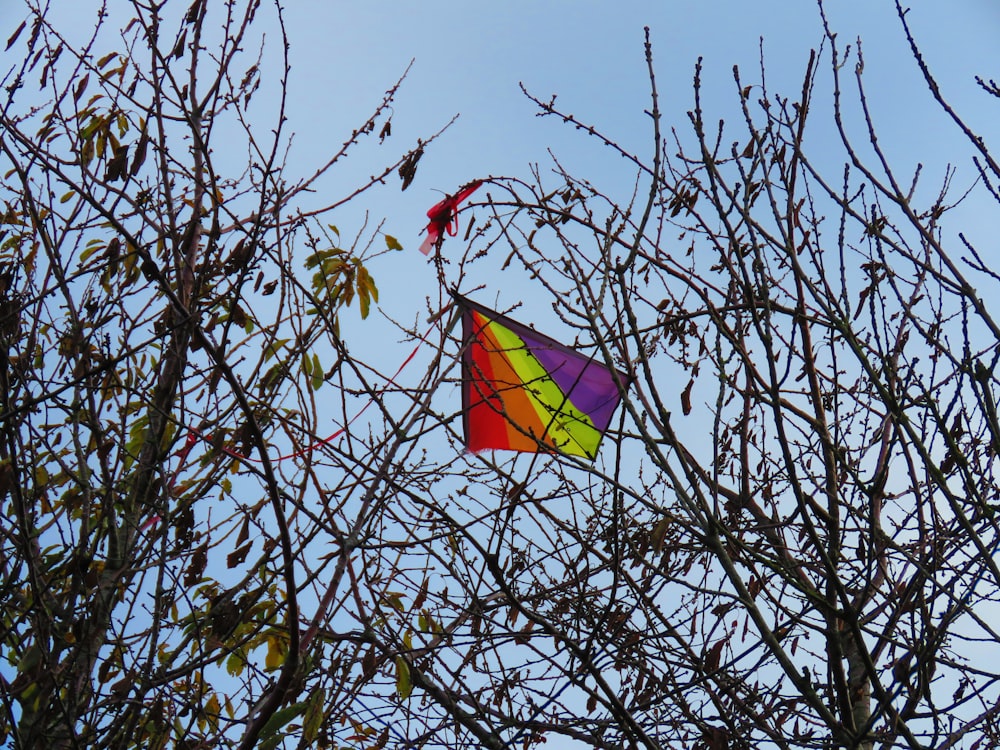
(804, 556)
(163, 317)
(801, 557)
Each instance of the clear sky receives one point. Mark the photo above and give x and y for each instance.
(469, 59)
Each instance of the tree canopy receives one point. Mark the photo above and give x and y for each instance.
(787, 536)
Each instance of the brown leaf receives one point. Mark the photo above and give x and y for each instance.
(198, 562)
(659, 533)
(408, 169)
(237, 315)
(686, 398)
(178, 50)
(13, 37)
(421, 595)
(244, 532)
(140, 153)
(369, 663)
(6, 477)
(717, 739)
(238, 556)
(195, 12)
(117, 167)
(81, 87)
(713, 656)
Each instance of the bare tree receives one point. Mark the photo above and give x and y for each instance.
(786, 540)
(166, 322)
(789, 539)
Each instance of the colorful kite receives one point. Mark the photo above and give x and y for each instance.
(523, 391)
(444, 217)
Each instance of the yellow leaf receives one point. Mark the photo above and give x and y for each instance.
(392, 243)
(276, 651)
(212, 709)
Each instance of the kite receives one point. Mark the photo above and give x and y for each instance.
(444, 217)
(524, 391)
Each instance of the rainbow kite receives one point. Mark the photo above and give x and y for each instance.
(523, 391)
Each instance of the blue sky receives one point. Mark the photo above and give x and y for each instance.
(470, 58)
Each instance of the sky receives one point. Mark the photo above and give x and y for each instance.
(469, 59)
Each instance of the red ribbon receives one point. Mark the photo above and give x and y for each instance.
(444, 216)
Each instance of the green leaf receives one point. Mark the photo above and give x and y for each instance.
(395, 600)
(274, 347)
(269, 737)
(364, 302)
(91, 127)
(392, 243)
(404, 686)
(211, 710)
(313, 719)
(235, 664)
(317, 373)
(367, 291)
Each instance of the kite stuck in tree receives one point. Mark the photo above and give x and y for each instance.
(444, 217)
(524, 391)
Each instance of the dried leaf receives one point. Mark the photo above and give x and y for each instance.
(408, 169)
(686, 398)
(238, 556)
(713, 656)
(13, 37)
(140, 153)
(198, 562)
